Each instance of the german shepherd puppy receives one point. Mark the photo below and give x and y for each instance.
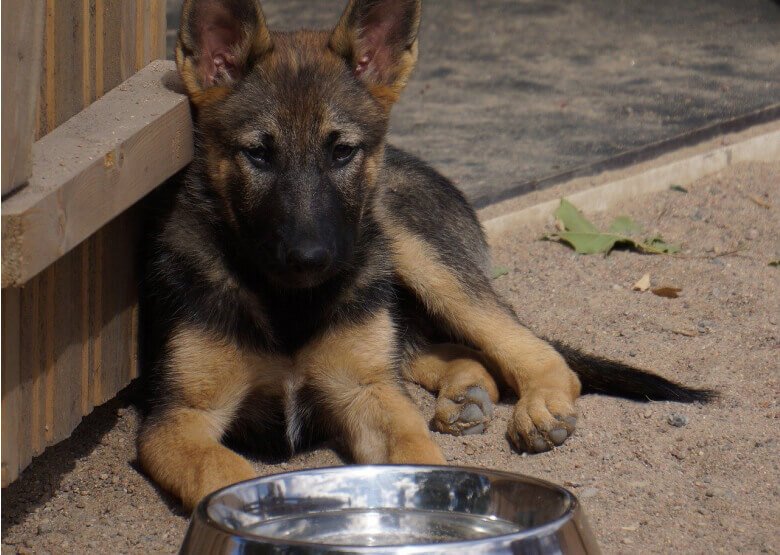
(305, 268)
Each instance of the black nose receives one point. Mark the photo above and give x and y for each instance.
(308, 257)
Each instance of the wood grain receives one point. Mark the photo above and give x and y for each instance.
(22, 45)
(93, 167)
(73, 322)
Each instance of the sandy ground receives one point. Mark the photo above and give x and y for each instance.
(647, 486)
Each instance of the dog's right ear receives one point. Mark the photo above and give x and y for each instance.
(219, 41)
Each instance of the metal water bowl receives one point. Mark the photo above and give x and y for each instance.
(390, 509)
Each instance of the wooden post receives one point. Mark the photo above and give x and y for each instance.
(21, 58)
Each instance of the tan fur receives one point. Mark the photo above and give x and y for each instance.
(450, 371)
(530, 366)
(182, 453)
(352, 367)
(344, 41)
(210, 378)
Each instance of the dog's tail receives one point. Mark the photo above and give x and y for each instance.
(599, 375)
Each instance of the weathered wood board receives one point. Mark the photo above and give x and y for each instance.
(22, 22)
(94, 166)
(69, 326)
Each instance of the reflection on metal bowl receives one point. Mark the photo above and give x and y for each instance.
(390, 509)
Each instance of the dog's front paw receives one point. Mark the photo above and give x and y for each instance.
(542, 419)
(464, 414)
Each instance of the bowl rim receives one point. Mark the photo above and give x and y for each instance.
(546, 529)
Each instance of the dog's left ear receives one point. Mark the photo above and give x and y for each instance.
(378, 38)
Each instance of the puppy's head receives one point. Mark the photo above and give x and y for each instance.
(291, 126)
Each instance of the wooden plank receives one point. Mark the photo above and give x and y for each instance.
(67, 344)
(22, 45)
(87, 46)
(111, 43)
(11, 385)
(96, 317)
(100, 41)
(92, 168)
(127, 48)
(118, 298)
(86, 326)
(69, 44)
(159, 28)
(48, 96)
(75, 321)
(143, 39)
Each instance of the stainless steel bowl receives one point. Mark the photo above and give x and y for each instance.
(390, 509)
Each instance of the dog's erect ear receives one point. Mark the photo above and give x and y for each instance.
(219, 40)
(378, 38)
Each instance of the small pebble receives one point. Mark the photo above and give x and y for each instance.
(628, 541)
(104, 476)
(677, 420)
(752, 234)
(44, 526)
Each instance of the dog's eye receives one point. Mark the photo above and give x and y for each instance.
(342, 154)
(260, 156)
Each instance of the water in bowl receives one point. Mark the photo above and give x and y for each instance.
(382, 527)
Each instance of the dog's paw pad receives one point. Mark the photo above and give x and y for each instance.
(467, 414)
(541, 421)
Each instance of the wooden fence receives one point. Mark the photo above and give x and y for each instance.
(69, 332)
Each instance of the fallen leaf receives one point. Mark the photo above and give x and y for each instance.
(625, 226)
(585, 238)
(659, 244)
(499, 271)
(643, 284)
(678, 188)
(759, 201)
(573, 219)
(667, 291)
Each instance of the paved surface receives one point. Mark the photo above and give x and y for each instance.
(513, 90)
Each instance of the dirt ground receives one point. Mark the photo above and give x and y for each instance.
(711, 485)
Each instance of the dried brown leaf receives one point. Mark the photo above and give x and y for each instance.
(667, 291)
(759, 201)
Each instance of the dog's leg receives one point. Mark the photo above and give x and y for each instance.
(466, 391)
(547, 388)
(179, 446)
(352, 367)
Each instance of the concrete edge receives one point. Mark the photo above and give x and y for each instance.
(763, 147)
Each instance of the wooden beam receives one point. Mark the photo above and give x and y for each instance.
(93, 167)
(21, 58)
